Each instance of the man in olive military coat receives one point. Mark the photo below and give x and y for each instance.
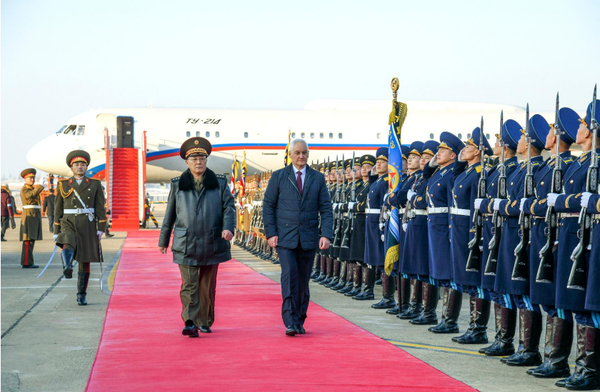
(79, 221)
(31, 218)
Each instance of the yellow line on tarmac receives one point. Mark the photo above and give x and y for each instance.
(437, 348)
(111, 277)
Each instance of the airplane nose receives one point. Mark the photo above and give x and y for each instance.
(49, 155)
(36, 155)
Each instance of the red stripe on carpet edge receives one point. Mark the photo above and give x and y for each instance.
(141, 346)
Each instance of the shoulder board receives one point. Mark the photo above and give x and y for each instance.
(175, 179)
(385, 178)
(535, 163)
(221, 176)
(568, 160)
(94, 179)
(511, 164)
(478, 169)
(66, 179)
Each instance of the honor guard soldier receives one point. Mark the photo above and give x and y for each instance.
(80, 220)
(363, 276)
(516, 291)
(345, 282)
(505, 317)
(374, 252)
(31, 218)
(467, 173)
(559, 330)
(319, 253)
(326, 262)
(568, 205)
(439, 172)
(416, 247)
(411, 156)
(343, 253)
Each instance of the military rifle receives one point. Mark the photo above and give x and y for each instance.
(579, 271)
(350, 215)
(474, 258)
(340, 196)
(521, 267)
(545, 273)
(497, 219)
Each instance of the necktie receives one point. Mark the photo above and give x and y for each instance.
(299, 181)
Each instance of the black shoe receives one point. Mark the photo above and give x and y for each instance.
(68, 273)
(31, 266)
(411, 313)
(364, 296)
(291, 330)
(472, 337)
(345, 290)
(3, 240)
(549, 372)
(81, 300)
(525, 359)
(355, 291)
(300, 329)
(110, 235)
(205, 329)
(444, 328)
(385, 303)
(190, 330)
(500, 350)
(394, 310)
(425, 320)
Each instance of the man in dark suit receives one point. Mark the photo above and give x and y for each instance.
(295, 197)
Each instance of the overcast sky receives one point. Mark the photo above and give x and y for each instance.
(61, 58)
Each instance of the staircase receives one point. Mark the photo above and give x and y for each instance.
(126, 188)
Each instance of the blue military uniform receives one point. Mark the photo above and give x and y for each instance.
(374, 251)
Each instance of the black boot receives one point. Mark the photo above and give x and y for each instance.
(67, 258)
(349, 278)
(403, 287)
(322, 270)
(450, 313)
(368, 275)
(342, 279)
(415, 305)
(504, 344)
(428, 316)
(329, 269)
(378, 280)
(589, 377)
(357, 281)
(559, 339)
(82, 283)
(497, 320)
(480, 314)
(387, 300)
(530, 330)
(335, 275)
(579, 358)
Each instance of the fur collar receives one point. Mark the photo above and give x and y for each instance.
(186, 181)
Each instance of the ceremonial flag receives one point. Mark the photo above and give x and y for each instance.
(286, 159)
(234, 172)
(395, 182)
(243, 187)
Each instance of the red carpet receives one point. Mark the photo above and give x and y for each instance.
(142, 348)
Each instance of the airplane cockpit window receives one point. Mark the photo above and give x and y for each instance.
(207, 134)
(217, 134)
(197, 133)
(61, 130)
(312, 135)
(246, 135)
(302, 135)
(80, 130)
(339, 135)
(187, 134)
(70, 130)
(330, 135)
(431, 136)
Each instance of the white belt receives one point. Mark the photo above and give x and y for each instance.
(437, 210)
(372, 211)
(419, 212)
(568, 215)
(32, 207)
(401, 210)
(460, 211)
(77, 211)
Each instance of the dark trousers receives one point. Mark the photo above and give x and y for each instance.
(5, 223)
(27, 253)
(198, 288)
(296, 266)
(51, 223)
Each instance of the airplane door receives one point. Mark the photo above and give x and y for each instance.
(107, 122)
(124, 132)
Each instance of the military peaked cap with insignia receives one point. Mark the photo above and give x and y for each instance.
(357, 161)
(347, 163)
(195, 146)
(78, 156)
(430, 147)
(321, 166)
(368, 159)
(475, 140)
(451, 142)
(405, 150)
(416, 148)
(538, 131)
(588, 114)
(340, 164)
(382, 153)
(28, 172)
(568, 121)
(511, 133)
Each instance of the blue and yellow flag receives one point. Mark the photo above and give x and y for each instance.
(286, 159)
(395, 181)
(235, 166)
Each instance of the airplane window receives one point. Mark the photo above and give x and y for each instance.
(207, 134)
(460, 135)
(217, 134)
(468, 135)
(81, 130)
(339, 135)
(187, 134)
(312, 135)
(198, 134)
(321, 135)
(431, 136)
(70, 130)
(378, 135)
(330, 135)
(302, 135)
(246, 134)
(61, 130)
(487, 135)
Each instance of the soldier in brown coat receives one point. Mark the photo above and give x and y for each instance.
(31, 218)
(79, 221)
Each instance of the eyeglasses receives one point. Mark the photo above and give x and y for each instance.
(197, 159)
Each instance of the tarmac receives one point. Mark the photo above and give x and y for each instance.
(49, 342)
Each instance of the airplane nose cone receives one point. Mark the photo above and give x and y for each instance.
(49, 155)
(36, 155)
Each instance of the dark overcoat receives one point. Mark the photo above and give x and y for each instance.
(31, 218)
(592, 298)
(415, 254)
(374, 248)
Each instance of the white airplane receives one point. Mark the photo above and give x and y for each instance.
(331, 128)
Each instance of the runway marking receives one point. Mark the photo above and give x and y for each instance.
(108, 278)
(437, 348)
(35, 287)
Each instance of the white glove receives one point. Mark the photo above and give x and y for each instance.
(404, 226)
(497, 204)
(382, 227)
(410, 194)
(100, 234)
(477, 203)
(351, 205)
(585, 199)
(552, 199)
(523, 200)
(55, 237)
(433, 162)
